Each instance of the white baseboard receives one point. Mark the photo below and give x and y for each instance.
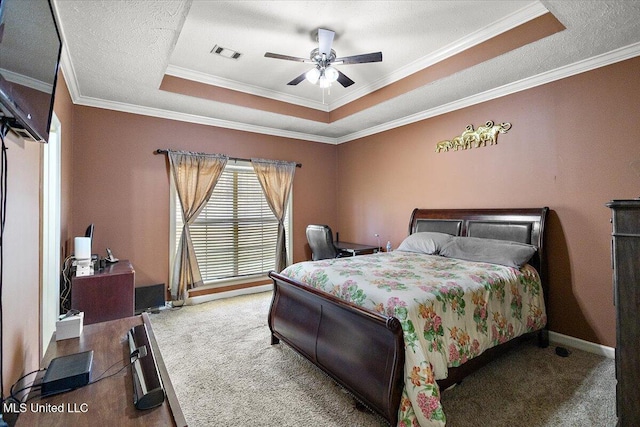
(228, 294)
(601, 350)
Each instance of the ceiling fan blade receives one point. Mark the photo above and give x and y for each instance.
(298, 79)
(344, 80)
(360, 59)
(325, 40)
(286, 57)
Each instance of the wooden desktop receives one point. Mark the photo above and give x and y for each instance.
(109, 401)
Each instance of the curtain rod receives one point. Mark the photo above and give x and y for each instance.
(161, 151)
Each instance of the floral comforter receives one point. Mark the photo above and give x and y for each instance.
(451, 311)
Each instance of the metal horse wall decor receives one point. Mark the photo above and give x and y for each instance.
(474, 138)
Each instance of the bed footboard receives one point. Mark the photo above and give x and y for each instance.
(361, 350)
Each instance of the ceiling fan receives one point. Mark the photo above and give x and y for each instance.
(324, 58)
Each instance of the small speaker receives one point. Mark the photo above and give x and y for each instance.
(149, 297)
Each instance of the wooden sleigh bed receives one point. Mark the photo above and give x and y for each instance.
(363, 350)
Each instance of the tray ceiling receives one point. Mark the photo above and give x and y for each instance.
(155, 58)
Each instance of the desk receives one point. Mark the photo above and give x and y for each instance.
(355, 248)
(108, 402)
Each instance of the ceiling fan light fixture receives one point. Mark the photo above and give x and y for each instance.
(327, 76)
(323, 57)
(331, 74)
(313, 75)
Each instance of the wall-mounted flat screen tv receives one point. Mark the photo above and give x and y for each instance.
(30, 47)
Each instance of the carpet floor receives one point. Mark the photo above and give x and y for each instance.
(226, 373)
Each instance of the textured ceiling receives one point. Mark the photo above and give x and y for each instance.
(289, 27)
(116, 55)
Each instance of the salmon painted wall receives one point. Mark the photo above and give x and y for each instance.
(21, 276)
(573, 146)
(21, 272)
(121, 186)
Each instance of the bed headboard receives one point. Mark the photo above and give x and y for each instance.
(517, 225)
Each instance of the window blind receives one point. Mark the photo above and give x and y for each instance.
(235, 234)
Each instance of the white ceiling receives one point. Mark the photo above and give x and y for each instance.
(116, 54)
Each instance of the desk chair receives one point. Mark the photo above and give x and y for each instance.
(320, 240)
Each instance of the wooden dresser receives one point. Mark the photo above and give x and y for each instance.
(626, 284)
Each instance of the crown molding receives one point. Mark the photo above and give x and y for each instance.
(26, 81)
(618, 55)
(68, 72)
(192, 118)
(66, 65)
(208, 79)
(503, 25)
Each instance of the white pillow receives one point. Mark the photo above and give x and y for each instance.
(426, 242)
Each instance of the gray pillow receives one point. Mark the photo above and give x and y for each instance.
(426, 242)
(511, 254)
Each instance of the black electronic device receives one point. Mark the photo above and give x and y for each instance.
(89, 232)
(30, 47)
(66, 373)
(147, 384)
(95, 258)
(110, 257)
(149, 298)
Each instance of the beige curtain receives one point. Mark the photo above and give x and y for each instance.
(195, 176)
(276, 179)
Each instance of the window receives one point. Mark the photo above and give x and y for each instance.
(235, 234)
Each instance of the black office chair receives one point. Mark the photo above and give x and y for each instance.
(320, 240)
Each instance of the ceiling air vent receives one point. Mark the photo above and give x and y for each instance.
(226, 53)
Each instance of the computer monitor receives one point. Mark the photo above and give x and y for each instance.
(89, 232)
